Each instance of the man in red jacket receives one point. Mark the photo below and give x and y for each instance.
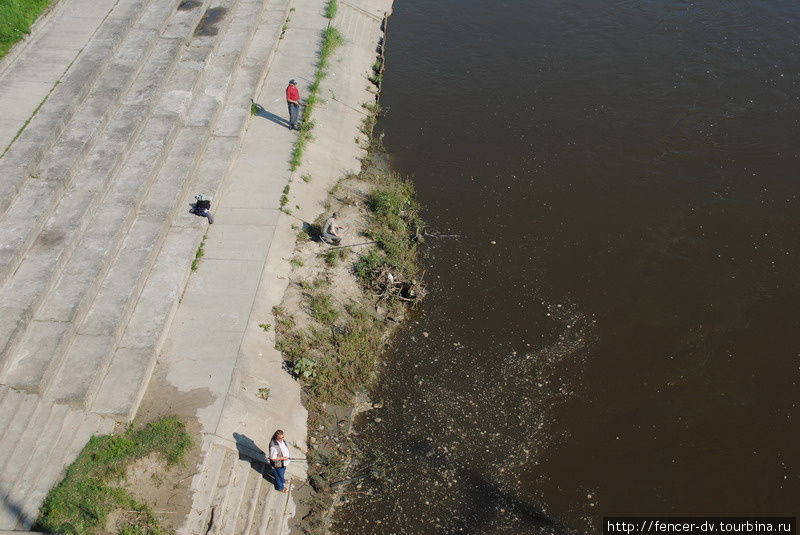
(293, 100)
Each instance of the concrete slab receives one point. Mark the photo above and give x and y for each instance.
(17, 425)
(260, 217)
(22, 221)
(12, 325)
(16, 458)
(221, 293)
(39, 346)
(20, 98)
(162, 290)
(80, 273)
(40, 455)
(123, 281)
(122, 384)
(8, 407)
(83, 360)
(239, 241)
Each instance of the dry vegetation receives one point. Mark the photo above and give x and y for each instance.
(338, 312)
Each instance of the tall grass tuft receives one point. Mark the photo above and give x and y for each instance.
(331, 9)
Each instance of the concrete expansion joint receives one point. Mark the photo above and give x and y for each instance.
(234, 259)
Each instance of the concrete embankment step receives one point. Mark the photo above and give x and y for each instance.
(234, 496)
(39, 439)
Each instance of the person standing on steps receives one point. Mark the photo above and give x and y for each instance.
(279, 458)
(293, 100)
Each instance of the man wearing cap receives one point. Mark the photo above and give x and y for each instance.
(293, 100)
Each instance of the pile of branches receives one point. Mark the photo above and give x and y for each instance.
(391, 287)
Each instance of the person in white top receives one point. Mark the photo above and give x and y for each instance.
(278, 459)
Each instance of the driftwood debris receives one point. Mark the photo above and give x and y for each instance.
(388, 287)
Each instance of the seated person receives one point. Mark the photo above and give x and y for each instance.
(202, 207)
(331, 231)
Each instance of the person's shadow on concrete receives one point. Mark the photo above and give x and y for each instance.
(249, 451)
(261, 112)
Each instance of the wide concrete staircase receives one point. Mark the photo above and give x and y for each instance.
(96, 241)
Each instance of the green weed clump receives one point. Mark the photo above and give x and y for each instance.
(200, 253)
(377, 72)
(89, 492)
(331, 9)
(333, 256)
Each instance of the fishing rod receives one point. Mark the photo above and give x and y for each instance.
(353, 245)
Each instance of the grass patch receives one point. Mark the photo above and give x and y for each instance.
(333, 256)
(306, 178)
(395, 225)
(201, 251)
(331, 40)
(331, 9)
(296, 261)
(16, 18)
(263, 393)
(321, 307)
(265, 327)
(336, 354)
(89, 492)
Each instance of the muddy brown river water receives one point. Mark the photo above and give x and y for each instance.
(616, 331)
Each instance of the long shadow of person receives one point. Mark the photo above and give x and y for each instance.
(249, 451)
(261, 112)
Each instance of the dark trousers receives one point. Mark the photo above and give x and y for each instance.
(202, 212)
(294, 114)
(280, 477)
